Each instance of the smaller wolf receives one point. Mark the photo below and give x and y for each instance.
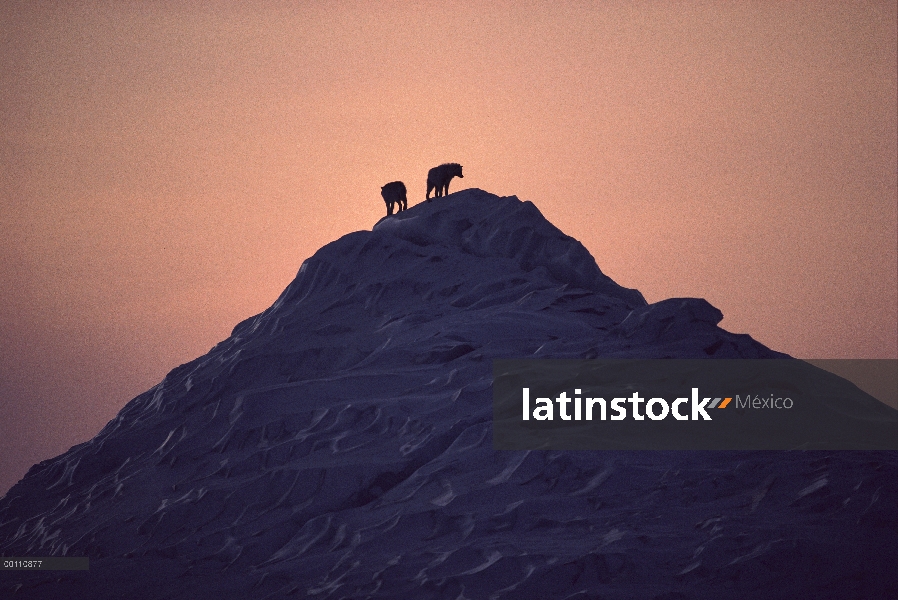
(394, 193)
(438, 178)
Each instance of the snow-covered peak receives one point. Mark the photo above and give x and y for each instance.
(338, 445)
(437, 241)
(488, 226)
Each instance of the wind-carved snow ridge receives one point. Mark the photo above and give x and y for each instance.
(339, 445)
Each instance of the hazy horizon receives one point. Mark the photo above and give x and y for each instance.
(168, 167)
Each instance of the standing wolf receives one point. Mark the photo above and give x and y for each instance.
(394, 193)
(438, 178)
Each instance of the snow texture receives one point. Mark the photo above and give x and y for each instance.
(338, 445)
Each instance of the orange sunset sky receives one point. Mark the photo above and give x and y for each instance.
(167, 166)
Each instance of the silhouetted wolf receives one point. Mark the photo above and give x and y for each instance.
(439, 177)
(394, 193)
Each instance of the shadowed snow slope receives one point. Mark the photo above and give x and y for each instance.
(338, 445)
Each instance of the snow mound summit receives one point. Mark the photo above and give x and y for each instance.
(495, 274)
(483, 243)
(487, 226)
